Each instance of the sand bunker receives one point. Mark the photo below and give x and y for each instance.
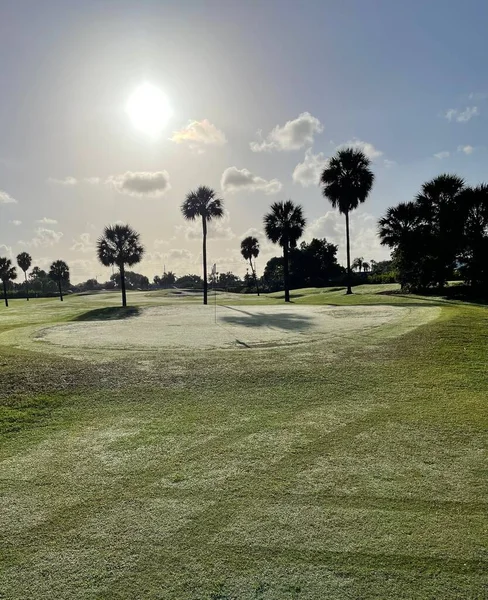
(191, 326)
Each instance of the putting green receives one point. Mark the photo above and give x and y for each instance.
(197, 326)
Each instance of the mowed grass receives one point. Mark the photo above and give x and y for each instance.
(345, 470)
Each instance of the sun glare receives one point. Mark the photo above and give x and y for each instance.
(148, 109)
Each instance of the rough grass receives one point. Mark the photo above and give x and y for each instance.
(352, 471)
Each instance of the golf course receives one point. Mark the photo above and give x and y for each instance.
(333, 447)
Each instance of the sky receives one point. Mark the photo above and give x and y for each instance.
(112, 111)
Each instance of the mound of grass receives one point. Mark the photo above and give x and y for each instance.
(109, 313)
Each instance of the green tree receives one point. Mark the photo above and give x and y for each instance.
(202, 203)
(119, 245)
(346, 182)
(59, 272)
(7, 273)
(474, 253)
(284, 225)
(250, 250)
(24, 260)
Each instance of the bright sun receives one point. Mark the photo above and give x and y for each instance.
(148, 109)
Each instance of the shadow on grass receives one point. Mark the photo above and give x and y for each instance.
(110, 313)
(289, 321)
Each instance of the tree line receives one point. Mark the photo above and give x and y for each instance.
(443, 230)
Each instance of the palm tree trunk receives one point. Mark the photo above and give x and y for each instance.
(5, 292)
(122, 285)
(348, 249)
(60, 290)
(286, 274)
(205, 285)
(26, 287)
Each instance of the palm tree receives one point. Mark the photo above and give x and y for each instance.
(365, 266)
(284, 225)
(250, 250)
(24, 260)
(202, 203)
(357, 263)
(7, 273)
(347, 181)
(119, 245)
(398, 224)
(59, 272)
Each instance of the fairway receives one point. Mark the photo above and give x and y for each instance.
(331, 448)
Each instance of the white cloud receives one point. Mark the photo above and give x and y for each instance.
(16, 222)
(6, 198)
(179, 254)
(92, 180)
(199, 133)
(293, 135)
(364, 239)
(6, 251)
(235, 180)
(441, 155)
(466, 149)
(462, 116)
(389, 163)
(47, 221)
(159, 243)
(43, 238)
(142, 183)
(68, 181)
(369, 150)
(83, 244)
(309, 171)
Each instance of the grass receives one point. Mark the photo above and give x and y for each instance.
(349, 471)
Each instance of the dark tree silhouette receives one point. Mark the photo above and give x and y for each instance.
(120, 245)
(284, 225)
(202, 203)
(347, 181)
(473, 257)
(7, 273)
(398, 224)
(24, 260)
(250, 250)
(59, 272)
(357, 264)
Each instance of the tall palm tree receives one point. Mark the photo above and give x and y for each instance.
(59, 272)
(398, 223)
(202, 203)
(7, 273)
(250, 250)
(119, 245)
(24, 260)
(284, 225)
(347, 180)
(365, 266)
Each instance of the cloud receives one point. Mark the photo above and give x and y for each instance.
(462, 116)
(6, 198)
(68, 181)
(308, 172)
(293, 135)
(142, 183)
(6, 251)
(389, 163)
(159, 243)
(218, 229)
(441, 155)
(466, 149)
(369, 150)
(83, 244)
(364, 239)
(199, 133)
(92, 180)
(47, 221)
(179, 254)
(16, 222)
(43, 238)
(236, 180)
